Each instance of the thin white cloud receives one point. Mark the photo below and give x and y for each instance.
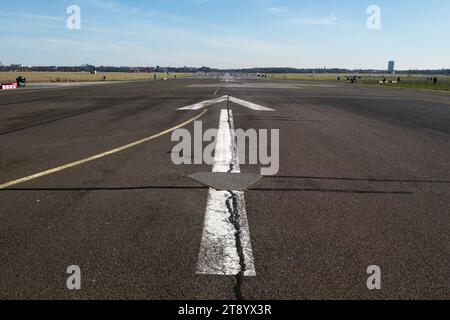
(118, 7)
(32, 16)
(276, 10)
(114, 6)
(313, 21)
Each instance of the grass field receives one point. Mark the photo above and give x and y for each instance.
(408, 82)
(6, 77)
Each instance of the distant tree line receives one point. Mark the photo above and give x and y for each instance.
(91, 68)
(332, 70)
(288, 70)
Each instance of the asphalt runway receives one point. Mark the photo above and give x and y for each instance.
(364, 180)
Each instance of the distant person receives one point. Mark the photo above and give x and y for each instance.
(20, 81)
(104, 78)
(399, 80)
(435, 80)
(339, 78)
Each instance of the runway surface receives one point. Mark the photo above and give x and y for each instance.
(364, 180)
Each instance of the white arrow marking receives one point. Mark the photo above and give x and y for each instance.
(204, 104)
(250, 105)
(226, 248)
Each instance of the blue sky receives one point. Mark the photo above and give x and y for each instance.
(227, 33)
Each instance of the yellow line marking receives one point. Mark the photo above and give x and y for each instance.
(98, 156)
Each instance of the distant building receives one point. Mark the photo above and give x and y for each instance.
(391, 67)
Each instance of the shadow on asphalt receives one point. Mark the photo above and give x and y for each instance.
(205, 188)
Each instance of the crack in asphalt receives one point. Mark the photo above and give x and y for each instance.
(232, 205)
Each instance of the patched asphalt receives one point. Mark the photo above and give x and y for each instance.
(364, 180)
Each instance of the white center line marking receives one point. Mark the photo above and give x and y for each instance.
(226, 247)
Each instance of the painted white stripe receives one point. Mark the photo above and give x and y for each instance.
(226, 217)
(204, 104)
(249, 105)
(225, 155)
